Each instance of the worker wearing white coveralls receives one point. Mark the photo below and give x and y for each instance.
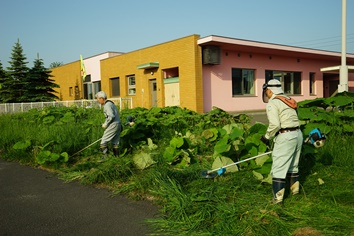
(284, 126)
(112, 124)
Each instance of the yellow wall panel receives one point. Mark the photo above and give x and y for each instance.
(68, 76)
(182, 53)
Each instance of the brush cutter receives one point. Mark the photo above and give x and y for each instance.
(209, 174)
(87, 147)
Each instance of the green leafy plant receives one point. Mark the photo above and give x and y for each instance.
(328, 114)
(166, 149)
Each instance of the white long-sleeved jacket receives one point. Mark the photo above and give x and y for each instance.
(280, 116)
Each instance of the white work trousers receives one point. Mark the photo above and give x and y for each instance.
(286, 153)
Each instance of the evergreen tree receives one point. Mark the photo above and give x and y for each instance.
(17, 73)
(39, 86)
(4, 81)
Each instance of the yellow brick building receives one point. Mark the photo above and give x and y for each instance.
(167, 74)
(69, 79)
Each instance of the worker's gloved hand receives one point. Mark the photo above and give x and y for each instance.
(104, 125)
(265, 140)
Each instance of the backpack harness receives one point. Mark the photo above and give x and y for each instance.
(288, 101)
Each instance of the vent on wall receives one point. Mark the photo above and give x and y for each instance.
(211, 55)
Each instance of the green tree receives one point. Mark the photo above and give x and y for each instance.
(55, 64)
(4, 80)
(39, 86)
(17, 72)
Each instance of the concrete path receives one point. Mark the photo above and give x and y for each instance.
(255, 116)
(35, 202)
(259, 117)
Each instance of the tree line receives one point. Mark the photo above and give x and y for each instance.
(19, 83)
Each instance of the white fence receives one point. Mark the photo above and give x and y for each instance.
(122, 103)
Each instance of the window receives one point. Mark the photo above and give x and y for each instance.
(77, 92)
(96, 87)
(312, 84)
(131, 85)
(88, 93)
(115, 87)
(242, 82)
(71, 91)
(291, 81)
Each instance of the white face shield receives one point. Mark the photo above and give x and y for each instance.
(274, 86)
(264, 95)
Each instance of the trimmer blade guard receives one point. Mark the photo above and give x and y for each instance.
(208, 175)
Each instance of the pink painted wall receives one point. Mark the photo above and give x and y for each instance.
(217, 79)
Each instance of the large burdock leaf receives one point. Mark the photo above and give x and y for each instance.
(258, 176)
(338, 100)
(22, 145)
(228, 128)
(222, 145)
(207, 134)
(261, 178)
(176, 142)
(210, 134)
(54, 157)
(260, 160)
(143, 160)
(322, 126)
(169, 154)
(236, 133)
(43, 156)
(258, 128)
(268, 179)
(222, 161)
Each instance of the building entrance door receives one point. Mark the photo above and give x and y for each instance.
(153, 94)
(172, 97)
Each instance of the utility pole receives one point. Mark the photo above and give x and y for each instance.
(343, 71)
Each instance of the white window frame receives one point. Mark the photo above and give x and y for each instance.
(131, 85)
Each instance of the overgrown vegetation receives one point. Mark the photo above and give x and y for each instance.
(163, 153)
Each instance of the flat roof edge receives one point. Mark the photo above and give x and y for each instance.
(227, 40)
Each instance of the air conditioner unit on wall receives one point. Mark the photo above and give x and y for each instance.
(211, 55)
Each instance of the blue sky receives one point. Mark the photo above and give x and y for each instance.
(62, 30)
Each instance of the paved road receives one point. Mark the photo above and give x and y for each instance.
(259, 117)
(255, 116)
(36, 202)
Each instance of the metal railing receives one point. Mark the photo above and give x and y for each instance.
(122, 103)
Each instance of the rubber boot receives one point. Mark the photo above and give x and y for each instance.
(294, 182)
(104, 150)
(278, 186)
(116, 150)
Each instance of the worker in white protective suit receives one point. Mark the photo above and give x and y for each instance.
(284, 127)
(112, 125)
